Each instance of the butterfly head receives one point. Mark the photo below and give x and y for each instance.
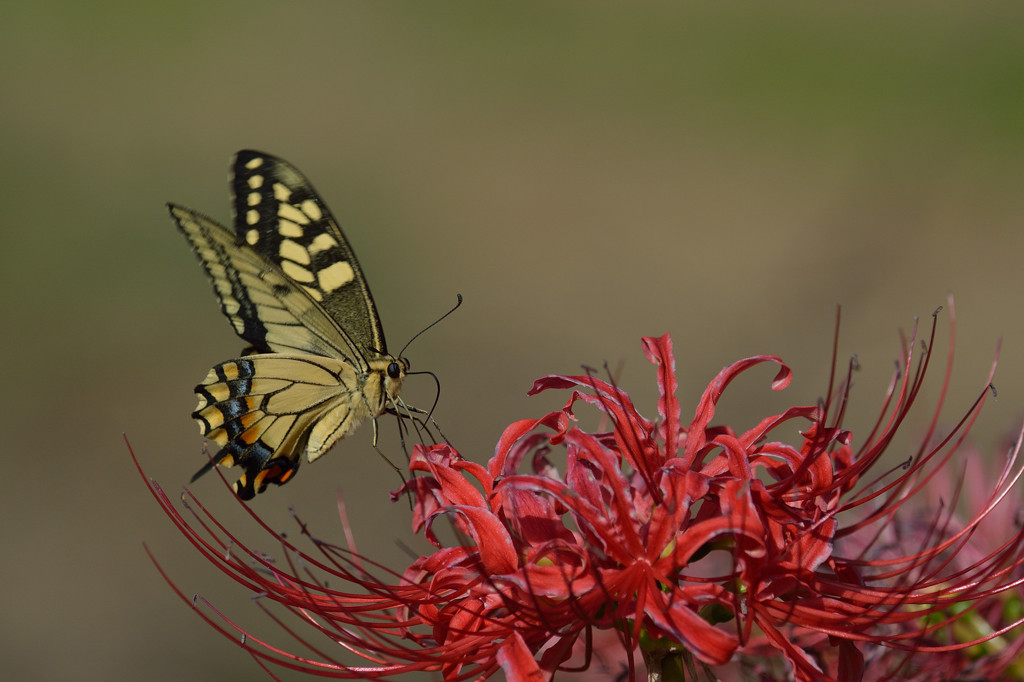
(392, 371)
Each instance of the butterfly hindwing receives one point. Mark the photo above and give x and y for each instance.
(265, 410)
(287, 280)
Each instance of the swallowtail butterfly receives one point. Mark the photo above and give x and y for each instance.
(317, 365)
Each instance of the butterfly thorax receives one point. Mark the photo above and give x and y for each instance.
(360, 395)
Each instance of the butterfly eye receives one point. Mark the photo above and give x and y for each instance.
(393, 370)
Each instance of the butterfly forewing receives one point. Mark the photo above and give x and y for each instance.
(263, 306)
(280, 216)
(291, 287)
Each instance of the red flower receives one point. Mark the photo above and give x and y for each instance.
(686, 543)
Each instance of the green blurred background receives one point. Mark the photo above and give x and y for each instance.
(583, 173)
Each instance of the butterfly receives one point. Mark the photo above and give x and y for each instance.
(317, 364)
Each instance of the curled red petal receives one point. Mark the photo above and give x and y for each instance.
(659, 351)
(706, 408)
(447, 467)
(496, 550)
(517, 661)
(686, 627)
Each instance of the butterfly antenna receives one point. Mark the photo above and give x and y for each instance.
(456, 307)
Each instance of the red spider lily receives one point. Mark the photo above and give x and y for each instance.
(691, 544)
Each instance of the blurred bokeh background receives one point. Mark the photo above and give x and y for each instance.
(584, 173)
